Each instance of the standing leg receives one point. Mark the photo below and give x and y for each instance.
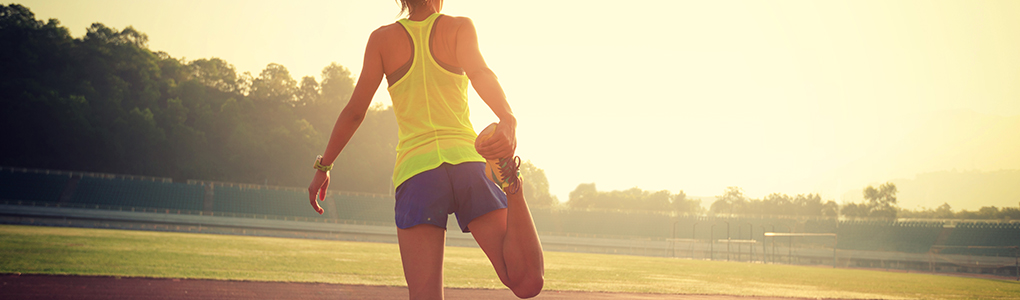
(508, 237)
(421, 251)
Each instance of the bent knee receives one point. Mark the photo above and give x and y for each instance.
(528, 288)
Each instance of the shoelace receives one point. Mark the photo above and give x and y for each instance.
(510, 168)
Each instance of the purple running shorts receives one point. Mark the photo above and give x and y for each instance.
(431, 196)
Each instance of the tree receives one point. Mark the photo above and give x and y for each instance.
(777, 204)
(125, 109)
(1008, 213)
(854, 210)
(657, 201)
(337, 85)
(808, 205)
(308, 92)
(944, 211)
(584, 196)
(320, 103)
(536, 186)
(680, 204)
(881, 202)
(274, 86)
(367, 163)
(215, 73)
(732, 201)
(830, 209)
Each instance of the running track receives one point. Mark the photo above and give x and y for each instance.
(39, 287)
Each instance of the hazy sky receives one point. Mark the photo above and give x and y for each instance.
(770, 96)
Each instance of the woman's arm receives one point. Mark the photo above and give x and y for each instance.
(469, 57)
(351, 117)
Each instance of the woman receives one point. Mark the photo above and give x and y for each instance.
(428, 60)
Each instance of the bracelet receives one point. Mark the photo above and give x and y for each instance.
(318, 165)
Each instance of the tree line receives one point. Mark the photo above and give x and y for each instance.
(945, 211)
(879, 203)
(732, 201)
(105, 102)
(587, 196)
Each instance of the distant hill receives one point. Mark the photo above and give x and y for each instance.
(962, 190)
(924, 164)
(968, 190)
(962, 140)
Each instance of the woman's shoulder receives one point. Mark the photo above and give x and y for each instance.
(457, 20)
(388, 29)
(387, 33)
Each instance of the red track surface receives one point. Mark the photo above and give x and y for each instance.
(37, 287)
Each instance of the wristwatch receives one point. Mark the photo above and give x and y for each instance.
(318, 165)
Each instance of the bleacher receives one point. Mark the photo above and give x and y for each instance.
(912, 237)
(370, 208)
(258, 200)
(606, 223)
(983, 238)
(138, 193)
(32, 186)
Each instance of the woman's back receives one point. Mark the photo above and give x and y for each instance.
(397, 50)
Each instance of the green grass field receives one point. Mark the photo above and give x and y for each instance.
(58, 250)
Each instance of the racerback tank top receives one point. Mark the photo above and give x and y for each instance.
(431, 107)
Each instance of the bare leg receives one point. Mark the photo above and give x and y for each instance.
(508, 237)
(421, 251)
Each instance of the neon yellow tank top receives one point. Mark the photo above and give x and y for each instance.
(431, 106)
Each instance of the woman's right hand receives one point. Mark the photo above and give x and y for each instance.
(502, 143)
(318, 188)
